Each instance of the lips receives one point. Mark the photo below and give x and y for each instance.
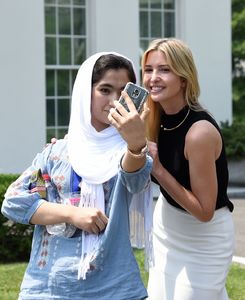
(156, 89)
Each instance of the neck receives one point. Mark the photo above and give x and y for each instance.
(173, 109)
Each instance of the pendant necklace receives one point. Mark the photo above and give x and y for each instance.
(177, 126)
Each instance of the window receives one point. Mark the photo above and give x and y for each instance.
(65, 39)
(157, 20)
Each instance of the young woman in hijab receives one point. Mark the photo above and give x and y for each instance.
(90, 256)
(193, 234)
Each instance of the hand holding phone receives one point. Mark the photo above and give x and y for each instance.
(137, 94)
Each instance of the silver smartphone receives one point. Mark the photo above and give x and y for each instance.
(137, 94)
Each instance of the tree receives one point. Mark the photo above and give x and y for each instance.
(238, 57)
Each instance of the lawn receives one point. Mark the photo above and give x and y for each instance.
(11, 276)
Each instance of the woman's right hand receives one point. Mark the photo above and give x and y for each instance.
(153, 151)
(88, 219)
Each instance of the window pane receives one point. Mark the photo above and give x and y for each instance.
(63, 82)
(156, 4)
(143, 3)
(64, 2)
(63, 112)
(64, 20)
(79, 51)
(143, 46)
(169, 4)
(50, 20)
(50, 134)
(169, 25)
(79, 21)
(156, 24)
(73, 77)
(79, 2)
(61, 133)
(50, 88)
(144, 24)
(65, 51)
(49, 1)
(50, 112)
(50, 51)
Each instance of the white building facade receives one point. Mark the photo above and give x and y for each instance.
(43, 42)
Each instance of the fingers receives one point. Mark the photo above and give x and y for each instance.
(128, 101)
(92, 220)
(145, 112)
(100, 224)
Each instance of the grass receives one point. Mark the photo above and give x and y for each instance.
(12, 274)
(10, 279)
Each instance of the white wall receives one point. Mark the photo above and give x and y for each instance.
(114, 26)
(205, 25)
(22, 84)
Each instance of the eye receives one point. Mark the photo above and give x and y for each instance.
(164, 69)
(147, 70)
(105, 91)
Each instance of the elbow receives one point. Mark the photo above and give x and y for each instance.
(206, 216)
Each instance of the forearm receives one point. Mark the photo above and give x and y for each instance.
(184, 197)
(51, 213)
(88, 219)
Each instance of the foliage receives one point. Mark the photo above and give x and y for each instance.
(238, 57)
(238, 29)
(234, 137)
(15, 239)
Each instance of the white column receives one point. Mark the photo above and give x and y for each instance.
(22, 80)
(114, 26)
(205, 25)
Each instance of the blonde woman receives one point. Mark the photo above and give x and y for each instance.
(193, 228)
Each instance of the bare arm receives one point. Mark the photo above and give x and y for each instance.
(202, 148)
(89, 219)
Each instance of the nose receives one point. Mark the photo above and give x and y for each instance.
(113, 97)
(154, 75)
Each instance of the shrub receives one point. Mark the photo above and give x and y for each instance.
(15, 238)
(234, 138)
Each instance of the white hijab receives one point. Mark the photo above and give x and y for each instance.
(93, 155)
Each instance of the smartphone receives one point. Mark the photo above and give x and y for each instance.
(137, 94)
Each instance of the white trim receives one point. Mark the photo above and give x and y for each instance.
(239, 259)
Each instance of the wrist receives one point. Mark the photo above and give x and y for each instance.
(139, 152)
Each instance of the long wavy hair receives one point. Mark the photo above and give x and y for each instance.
(181, 62)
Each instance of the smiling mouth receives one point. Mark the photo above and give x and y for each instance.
(156, 89)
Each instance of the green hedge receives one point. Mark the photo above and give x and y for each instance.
(234, 137)
(15, 239)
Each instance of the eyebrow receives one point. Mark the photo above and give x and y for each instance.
(165, 65)
(106, 85)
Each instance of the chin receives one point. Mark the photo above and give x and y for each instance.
(156, 98)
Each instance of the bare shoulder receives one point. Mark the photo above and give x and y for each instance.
(203, 136)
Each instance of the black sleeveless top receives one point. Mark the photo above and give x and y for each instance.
(171, 154)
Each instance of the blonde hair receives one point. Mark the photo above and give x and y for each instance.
(181, 62)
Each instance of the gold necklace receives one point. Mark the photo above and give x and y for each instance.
(177, 126)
